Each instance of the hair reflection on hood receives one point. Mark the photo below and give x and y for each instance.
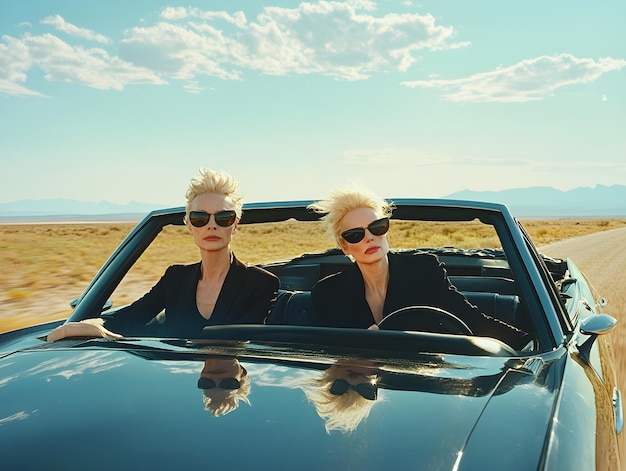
(220, 400)
(343, 408)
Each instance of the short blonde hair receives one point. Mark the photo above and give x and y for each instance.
(211, 181)
(222, 402)
(342, 201)
(343, 412)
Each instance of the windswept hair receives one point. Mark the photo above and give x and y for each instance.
(343, 412)
(211, 181)
(221, 402)
(342, 201)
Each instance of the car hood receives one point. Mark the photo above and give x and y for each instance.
(136, 405)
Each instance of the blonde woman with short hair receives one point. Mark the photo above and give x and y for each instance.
(219, 289)
(380, 282)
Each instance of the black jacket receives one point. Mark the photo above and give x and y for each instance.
(419, 279)
(247, 296)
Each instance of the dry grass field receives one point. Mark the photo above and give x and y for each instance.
(45, 266)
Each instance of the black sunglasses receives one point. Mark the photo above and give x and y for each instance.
(223, 218)
(368, 391)
(225, 383)
(377, 228)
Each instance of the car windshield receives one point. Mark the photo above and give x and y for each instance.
(276, 243)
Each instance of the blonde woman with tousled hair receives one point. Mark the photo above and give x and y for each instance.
(213, 182)
(341, 201)
(219, 289)
(380, 282)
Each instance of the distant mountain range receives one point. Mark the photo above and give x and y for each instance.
(599, 201)
(541, 201)
(70, 210)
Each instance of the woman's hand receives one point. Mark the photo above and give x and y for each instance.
(373, 327)
(86, 328)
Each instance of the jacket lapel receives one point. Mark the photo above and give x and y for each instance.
(231, 289)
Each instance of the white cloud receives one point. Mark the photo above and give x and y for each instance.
(11, 88)
(181, 13)
(60, 24)
(340, 40)
(182, 52)
(13, 60)
(60, 61)
(193, 87)
(174, 13)
(344, 40)
(332, 38)
(14, 63)
(528, 80)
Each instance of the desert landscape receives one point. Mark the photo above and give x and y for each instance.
(45, 266)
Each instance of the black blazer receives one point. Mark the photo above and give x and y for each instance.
(247, 296)
(418, 279)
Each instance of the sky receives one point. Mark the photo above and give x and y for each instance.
(124, 101)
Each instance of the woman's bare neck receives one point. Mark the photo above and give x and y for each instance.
(215, 265)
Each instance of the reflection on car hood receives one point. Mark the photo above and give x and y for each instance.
(98, 405)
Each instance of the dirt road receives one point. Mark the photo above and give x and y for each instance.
(602, 257)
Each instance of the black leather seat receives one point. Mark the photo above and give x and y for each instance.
(278, 312)
(482, 284)
(293, 308)
(296, 308)
(500, 306)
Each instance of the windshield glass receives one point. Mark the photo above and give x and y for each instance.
(268, 243)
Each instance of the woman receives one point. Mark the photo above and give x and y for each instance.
(217, 290)
(380, 282)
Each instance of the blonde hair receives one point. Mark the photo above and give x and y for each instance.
(221, 402)
(211, 181)
(343, 412)
(342, 201)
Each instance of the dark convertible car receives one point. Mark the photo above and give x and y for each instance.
(294, 395)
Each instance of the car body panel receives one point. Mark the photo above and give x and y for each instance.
(453, 393)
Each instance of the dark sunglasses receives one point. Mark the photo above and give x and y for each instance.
(368, 391)
(377, 228)
(225, 383)
(223, 218)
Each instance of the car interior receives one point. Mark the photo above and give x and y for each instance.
(478, 268)
(484, 283)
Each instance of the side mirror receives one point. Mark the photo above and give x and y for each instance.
(593, 326)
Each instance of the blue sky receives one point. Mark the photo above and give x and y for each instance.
(124, 101)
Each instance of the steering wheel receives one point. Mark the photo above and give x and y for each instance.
(426, 319)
